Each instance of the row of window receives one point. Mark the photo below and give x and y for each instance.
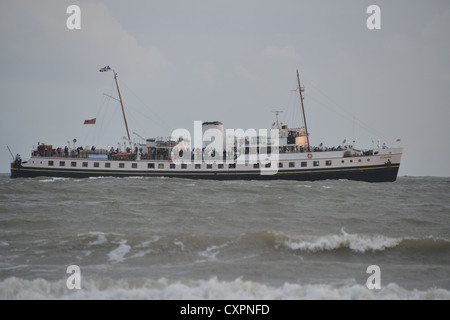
(303, 164)
(83, 164)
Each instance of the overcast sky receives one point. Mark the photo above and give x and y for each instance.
(231, 61)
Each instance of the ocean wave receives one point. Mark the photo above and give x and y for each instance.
(428, 244)
(359, 243)
(211, 289)
(355, 242)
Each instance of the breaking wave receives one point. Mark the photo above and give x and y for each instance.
(359, 243)
(355, 242)
(212, 289)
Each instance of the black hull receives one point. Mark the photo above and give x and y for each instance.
(383, 173)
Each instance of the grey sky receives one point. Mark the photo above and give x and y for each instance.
(232, 61)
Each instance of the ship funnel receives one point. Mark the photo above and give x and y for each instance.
(214, 135)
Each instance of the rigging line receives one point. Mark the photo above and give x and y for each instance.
(353, 120)
(292, 116)
(327, 96)
(88, 133)
(293, 113)
(92, 131)
(163, 126)
(106, 101)
(108, 121)
(136, 123)
(362, 124)
(295, 107)
(105, 121)
(163, 122)
(298, 117)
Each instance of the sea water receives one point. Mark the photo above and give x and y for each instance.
(168, 239)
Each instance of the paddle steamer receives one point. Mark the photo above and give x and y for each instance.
(283, 153)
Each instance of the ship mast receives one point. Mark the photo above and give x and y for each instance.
(303, 108)
(276, 114)
(123, 110)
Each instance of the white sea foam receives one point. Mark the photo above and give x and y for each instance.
(118, 254)
(140, 254)
(238, 289)
(54, 179)
(212, 251)
(144, 245)
(102, 177)
(179, 244)
(147, 243)
(101, 238)
(98, 237)
(355, 242)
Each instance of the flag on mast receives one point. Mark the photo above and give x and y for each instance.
(104, 69)
(91, 121)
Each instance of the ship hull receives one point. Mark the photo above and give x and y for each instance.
(377, 173)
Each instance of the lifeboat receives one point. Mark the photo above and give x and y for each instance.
(124, 156)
